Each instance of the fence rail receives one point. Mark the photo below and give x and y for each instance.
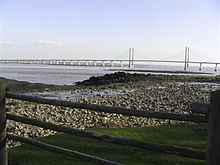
(200, 108)
(183, 151)
(3, 139)
(117, 110)
(62, 150)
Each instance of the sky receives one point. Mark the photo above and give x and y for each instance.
(157, 29)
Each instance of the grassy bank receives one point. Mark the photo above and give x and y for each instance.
(194, 136)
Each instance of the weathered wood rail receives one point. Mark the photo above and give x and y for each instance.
(117, 110)
(183, 151)
(3, 139)
(202, 109)
(62, 150)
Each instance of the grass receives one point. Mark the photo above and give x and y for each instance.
(182, 135)
(194, 136)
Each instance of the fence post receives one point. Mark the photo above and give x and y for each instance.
(213, 149)
(3, 148)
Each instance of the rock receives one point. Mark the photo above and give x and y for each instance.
(159, 96)
(105, 120)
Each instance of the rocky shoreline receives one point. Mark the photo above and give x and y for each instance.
(172, 95)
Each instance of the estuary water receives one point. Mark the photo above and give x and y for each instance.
(60, 74)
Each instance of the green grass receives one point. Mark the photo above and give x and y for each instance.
(194, 136)
(182, 135)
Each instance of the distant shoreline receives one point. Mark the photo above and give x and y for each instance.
(108, 79)
(160, 71)
(69, 75)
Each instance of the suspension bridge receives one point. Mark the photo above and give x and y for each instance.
(130, 62)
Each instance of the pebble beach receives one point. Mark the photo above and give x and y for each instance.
(170, 96)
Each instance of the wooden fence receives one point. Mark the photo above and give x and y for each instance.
(213, 149)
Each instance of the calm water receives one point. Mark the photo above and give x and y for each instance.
(58, 74)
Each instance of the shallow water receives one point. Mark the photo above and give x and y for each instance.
(74, 94)
(49, 74)
(60, 75)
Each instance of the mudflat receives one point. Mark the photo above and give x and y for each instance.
(131, 91)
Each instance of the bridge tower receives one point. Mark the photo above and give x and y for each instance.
(131, 58)
(186, 66)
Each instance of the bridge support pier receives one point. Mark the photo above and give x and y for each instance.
(186, 68)
(86, 63)
(78, 62)
(121, 64)
(103, 63)
(216, 67)
(112, 64)
(94, 63)
(200, 67)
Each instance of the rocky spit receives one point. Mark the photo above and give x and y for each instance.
(159, 96)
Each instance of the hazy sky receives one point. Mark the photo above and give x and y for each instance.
(157, 29)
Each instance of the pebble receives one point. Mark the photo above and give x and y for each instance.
(161, 96)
